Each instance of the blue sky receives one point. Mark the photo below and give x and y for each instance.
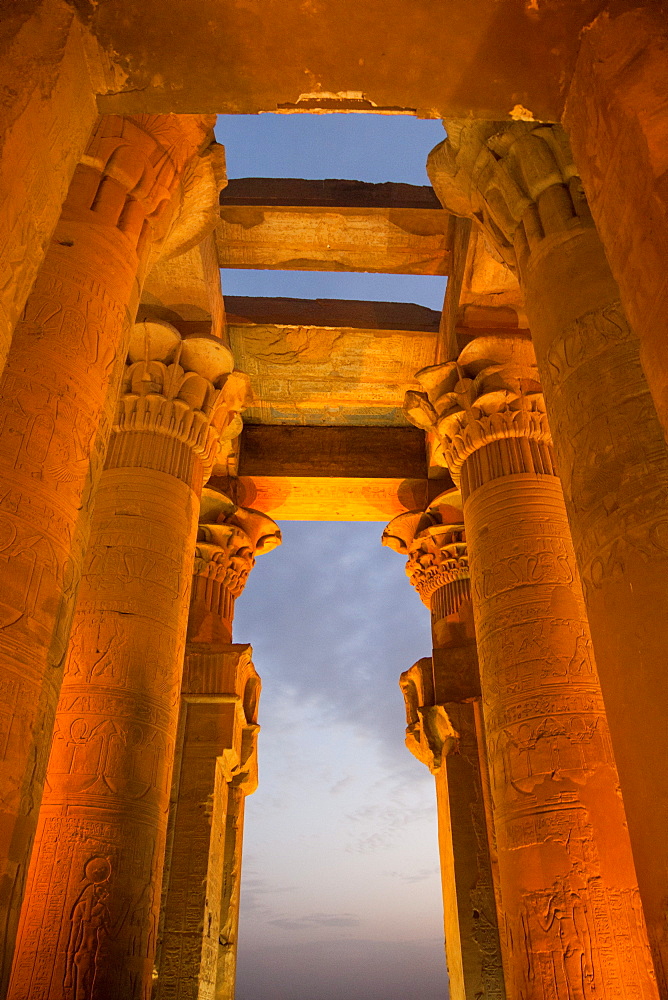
(340, 891)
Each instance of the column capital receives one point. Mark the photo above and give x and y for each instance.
(434, 540)
(229, 538)
(517, 179)
(183, 388)
(130, 173)
(430, 734)
(492, 392)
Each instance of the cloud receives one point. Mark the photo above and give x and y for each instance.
(308, 922)
(334, 622)
(423, 875)
(341, 785)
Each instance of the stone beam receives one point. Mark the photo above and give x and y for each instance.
(353, 452)
(298, 473)
(333, 225)
(319, 361)
(481, 59)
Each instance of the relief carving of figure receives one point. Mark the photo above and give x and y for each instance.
(557, 926)
(90, 922)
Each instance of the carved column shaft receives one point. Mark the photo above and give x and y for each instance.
(89, 921)
(445, 733)
(216, 762)
(520, 182)
(57, 398)
(210, 761)
(228, 936)
(573, 926)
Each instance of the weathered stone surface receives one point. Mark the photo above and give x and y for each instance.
(333, 226)
(47, 114)
(57, 399)
(616, 119)
(216, 761)
(216, 764)
(324, 362)
(104, 812)
(493, 60)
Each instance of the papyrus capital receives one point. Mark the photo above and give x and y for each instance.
(518, 180)
(491, 392)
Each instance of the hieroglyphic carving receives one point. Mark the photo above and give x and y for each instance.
(443, 732)
(519, 181)
(218, 721)
(550, 758)
(446, 739)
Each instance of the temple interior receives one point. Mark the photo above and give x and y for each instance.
(153, 431)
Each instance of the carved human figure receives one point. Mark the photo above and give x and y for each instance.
(566, 872)
(89, 922)
(519, 182)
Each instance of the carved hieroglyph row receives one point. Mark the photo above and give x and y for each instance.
(216, 761)
(216, 768)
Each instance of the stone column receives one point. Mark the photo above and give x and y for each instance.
(89, 919)
(616, 120)
(520, 183)
(228, 937)
(573, 924)
(57, 399)
(444, 731)
(48, 113)
(216, 762)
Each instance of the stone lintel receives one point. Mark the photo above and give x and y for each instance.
(331, 498)
(331, 193)
(335, 225)
(327, 361)
(297, 473)
(351, 452)
(349, 314)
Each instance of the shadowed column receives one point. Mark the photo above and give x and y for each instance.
(58, 394)
(444, 731)
(572, 924)
(89, 920)
(216, 762)
(520, 183)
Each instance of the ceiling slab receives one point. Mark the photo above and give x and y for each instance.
(330, 362)
(333, 225)
(481, 58)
